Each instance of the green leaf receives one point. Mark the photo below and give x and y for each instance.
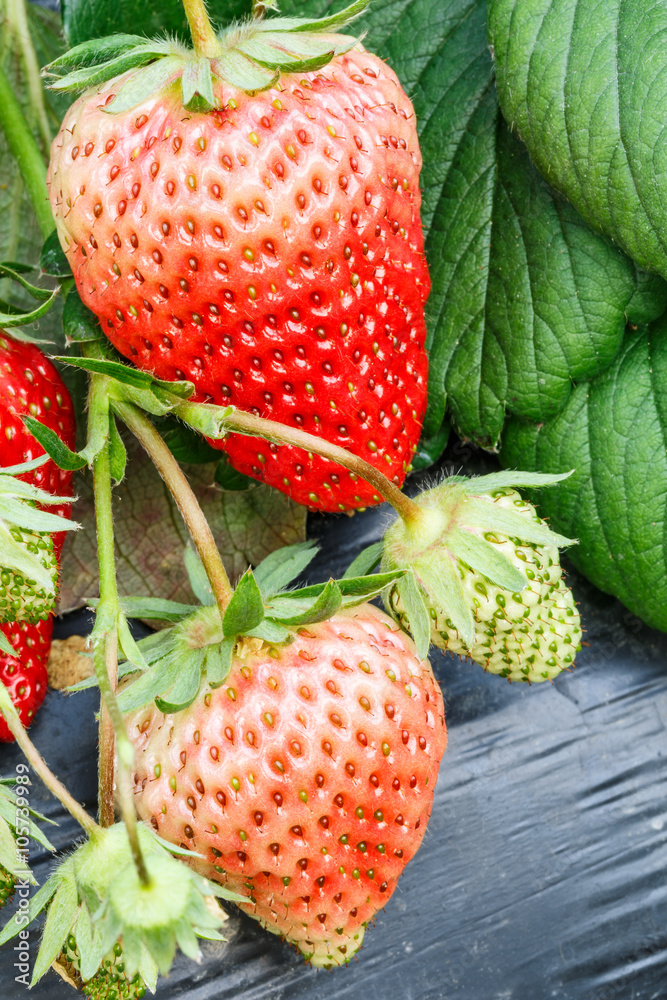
(87, 54)
(614, 432)
(197, 85)
(246, 609)
(21, 55)
(80, 324)
(548, 302)
(11, 317)
(218, 661)
(128, 644)
(484, 557)
(62, 914)
(584, 83)
(18, 470)
(324, 606)
(354, 590)
(146, 80)
(279, 568)
(367, 560)
(26, 516)
(150, 685)
(6, 646)
(117, 452)
(512, 480)
(197, 576)
(184, 691)
(155, 609)
(35, 907)
(16, 272)
(417, 614)
(53, 446)
(270, 631)
(185, 444)
(228, 478)
(52, 259)
(481, 514)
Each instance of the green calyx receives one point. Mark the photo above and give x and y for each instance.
(171, 666)
(100, 910)
(461, 527)
(28, 564)
(249, 56)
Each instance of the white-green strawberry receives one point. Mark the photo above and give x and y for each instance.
(22, 596)
(487, 581)
(29, 568)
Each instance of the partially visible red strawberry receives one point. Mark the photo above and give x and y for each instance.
(25, 674)
(306, 779)
(270, 251)
(31, 386)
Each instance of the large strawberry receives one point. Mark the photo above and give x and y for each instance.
(269, 248)
(24, 674)
(306, 779)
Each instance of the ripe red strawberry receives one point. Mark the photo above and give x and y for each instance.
(24, 675)
(269, 250)
(31, 386)
(306, 779)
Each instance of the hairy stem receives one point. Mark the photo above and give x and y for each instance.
(204, 38)
(105, 653)
(26, 153)
(39, 765)
(187, 502)
(98, 423)
(239, 422)
(17, 16)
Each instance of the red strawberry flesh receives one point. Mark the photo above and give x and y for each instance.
(31, 386)
(24, 675)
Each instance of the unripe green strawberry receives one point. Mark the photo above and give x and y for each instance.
(488, 572)
(110, 982)
(305, 780)
(22, 598)
(7, 886)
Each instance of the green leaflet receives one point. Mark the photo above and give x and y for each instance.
(417, 614)
(614, 432)
(584, 83)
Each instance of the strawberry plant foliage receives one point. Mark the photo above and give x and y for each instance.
(612, 432)
(584, 84)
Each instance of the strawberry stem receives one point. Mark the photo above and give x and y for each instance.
(105, 651)
(26, 153)
(187, 502)
(247, 423)
(39, 765)
(105, 660)
(17, 23)
(204, 39)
